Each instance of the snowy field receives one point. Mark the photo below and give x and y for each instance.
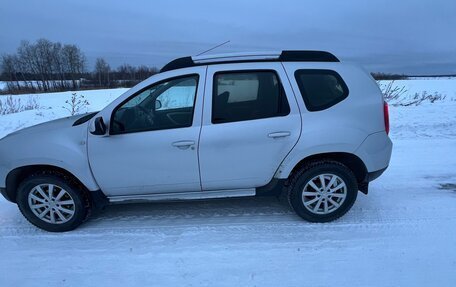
(402, 234)
(52, 107)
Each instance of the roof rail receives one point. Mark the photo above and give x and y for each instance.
(283, 56)
(235, 57)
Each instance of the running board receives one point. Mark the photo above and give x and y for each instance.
(183, 195)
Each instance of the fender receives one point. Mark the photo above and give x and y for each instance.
(333, 140)
(57, 143)
(82, 173)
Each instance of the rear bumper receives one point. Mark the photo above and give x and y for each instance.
(375, 152)
(375, 174)
(364, 185)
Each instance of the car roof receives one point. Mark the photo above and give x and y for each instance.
(272, 56)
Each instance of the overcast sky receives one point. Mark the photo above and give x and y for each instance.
(414, 37)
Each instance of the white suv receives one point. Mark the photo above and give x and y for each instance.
(299, 123)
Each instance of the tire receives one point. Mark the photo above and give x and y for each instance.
(64, 212)
(333, 200)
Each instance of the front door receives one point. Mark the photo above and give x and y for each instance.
(152, 146)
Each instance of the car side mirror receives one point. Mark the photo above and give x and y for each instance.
(158, 104)
(100, 127)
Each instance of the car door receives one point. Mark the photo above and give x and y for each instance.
(153, 139)
(251, 121)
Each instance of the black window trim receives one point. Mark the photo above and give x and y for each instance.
(309, 107)
(111, 132)
(244, 72)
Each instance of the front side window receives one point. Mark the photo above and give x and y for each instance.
(249, 95)
(321, 89)
(166, 105)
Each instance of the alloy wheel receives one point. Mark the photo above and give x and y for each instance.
(51, 203)
(324, 193)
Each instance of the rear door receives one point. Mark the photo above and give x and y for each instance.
(251, 121)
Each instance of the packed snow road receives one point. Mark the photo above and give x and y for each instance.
(402, 234)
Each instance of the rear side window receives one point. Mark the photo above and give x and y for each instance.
(321, 89)
(247, 95)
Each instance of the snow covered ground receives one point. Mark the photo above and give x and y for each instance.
(52, 107)
(401, 234)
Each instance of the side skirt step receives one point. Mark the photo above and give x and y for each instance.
(182, 195)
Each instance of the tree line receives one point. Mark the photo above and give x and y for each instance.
(388, 76)
(52, 66)
(125, 75)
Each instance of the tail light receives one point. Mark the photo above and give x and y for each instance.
(386, 117)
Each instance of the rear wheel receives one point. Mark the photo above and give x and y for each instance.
(51, 202)
(322, 191)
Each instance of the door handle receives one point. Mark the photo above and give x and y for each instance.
(183, 144)
(279, 135)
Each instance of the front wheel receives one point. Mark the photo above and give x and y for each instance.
(322, 191)
(51, 202)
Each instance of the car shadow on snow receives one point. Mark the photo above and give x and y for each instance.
(204, 210)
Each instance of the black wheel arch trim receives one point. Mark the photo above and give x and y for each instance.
(17, 175)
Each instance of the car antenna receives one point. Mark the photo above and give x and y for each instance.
(219, 45)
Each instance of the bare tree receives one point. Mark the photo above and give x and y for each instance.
(143, 72)
(102, 70)
(26, 63)
(76, 104)
(51, 66)
(10, 72)
(391, 92)
(43, 60)
(58, 67)
(46, 65)
(74, 61)
(127, 72)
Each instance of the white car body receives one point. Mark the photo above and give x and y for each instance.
(209, 160)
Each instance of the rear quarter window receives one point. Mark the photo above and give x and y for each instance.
(321, 89)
